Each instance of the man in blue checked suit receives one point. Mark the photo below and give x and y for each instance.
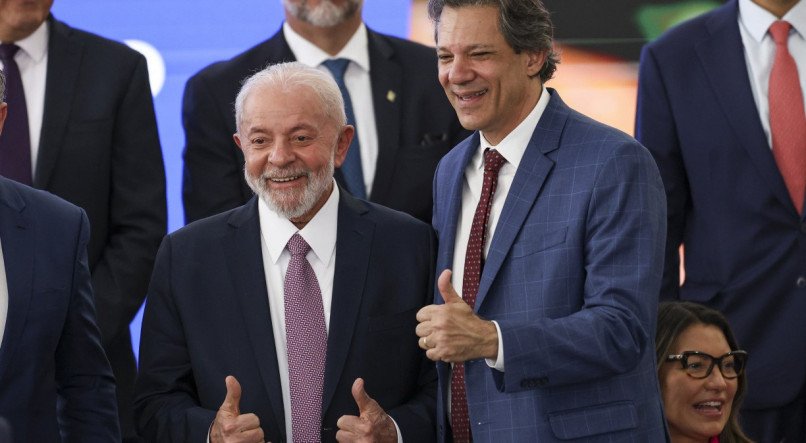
(544, 329)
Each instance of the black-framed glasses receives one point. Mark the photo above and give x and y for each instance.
(699, 364)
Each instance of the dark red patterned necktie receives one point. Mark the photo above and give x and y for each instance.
(474, 263)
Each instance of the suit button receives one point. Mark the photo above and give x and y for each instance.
(801, 282)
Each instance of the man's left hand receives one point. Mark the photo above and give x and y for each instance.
(452, 332)
(372, 424)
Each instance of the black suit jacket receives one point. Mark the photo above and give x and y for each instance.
(100, 150)
(416, 127)
(55, 382)
(208, 317)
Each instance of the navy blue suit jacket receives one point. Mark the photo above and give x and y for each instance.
(745, 244)
(415, 123)
(207, 317)
(55, 381)
(571, 277)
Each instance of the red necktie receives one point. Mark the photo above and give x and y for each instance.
(787, 118)
(306, 338)
(474, 262)
(15, 141)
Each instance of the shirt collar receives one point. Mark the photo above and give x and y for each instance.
(319, 233)
(309, 54)
(513, 146)
(757, 20)
(36, 44)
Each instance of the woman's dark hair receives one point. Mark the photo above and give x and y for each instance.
(676, 317)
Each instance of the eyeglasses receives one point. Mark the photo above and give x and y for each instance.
(699, 364)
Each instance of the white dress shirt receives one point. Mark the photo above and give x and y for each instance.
(3, 296)
(358, 84)
(759, 51)
(32, 59)
(320, 234)
(512, 148)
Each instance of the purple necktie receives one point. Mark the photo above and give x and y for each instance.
(307, 343)
(15, 141)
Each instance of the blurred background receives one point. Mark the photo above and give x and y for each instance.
(599, 43)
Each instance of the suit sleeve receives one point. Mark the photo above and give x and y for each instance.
(655, 129)
(212, 179)
(86, 404)
(166, 404)
(137, 213)
(416, 417)
(623, 258)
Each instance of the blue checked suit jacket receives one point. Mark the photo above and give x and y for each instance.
(572, 278)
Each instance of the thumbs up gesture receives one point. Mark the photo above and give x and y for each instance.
(372, 423)
(232, 426)
(452, 332)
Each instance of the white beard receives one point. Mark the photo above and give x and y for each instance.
(325, 14)
(291, 204)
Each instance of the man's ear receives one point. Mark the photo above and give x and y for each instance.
(3, 112)
(346, 135)
(535, 60)
(237, 139)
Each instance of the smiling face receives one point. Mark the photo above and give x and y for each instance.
(291, 148)
(491, 87)
(697, 409)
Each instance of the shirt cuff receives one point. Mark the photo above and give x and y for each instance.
(498, 363)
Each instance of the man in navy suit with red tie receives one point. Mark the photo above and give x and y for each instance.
(721, 108)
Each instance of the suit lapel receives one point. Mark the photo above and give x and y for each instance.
(353, 244)
(722, 56)
(245, 264)
(17, 237)
(451, 203)
(385, 76)
(64, 62)
(529, 178)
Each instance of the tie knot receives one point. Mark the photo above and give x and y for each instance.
(297, 245)
(337, 67)
(493, 161)
(7, 50)
(779, 31)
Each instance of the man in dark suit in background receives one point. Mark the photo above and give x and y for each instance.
(227, 296)
(84, 129)
(709, 97)
(557, 255)
(56, 382)
(403, 123)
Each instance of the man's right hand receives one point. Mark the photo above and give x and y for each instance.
(229, 425)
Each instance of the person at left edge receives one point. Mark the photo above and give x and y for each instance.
(220, 298)
(94, 143)
(55, 381)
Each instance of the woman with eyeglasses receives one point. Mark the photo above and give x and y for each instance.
(701, 374)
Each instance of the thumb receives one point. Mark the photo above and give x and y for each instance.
(449, 294)
(233, 399)
(362, 399)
